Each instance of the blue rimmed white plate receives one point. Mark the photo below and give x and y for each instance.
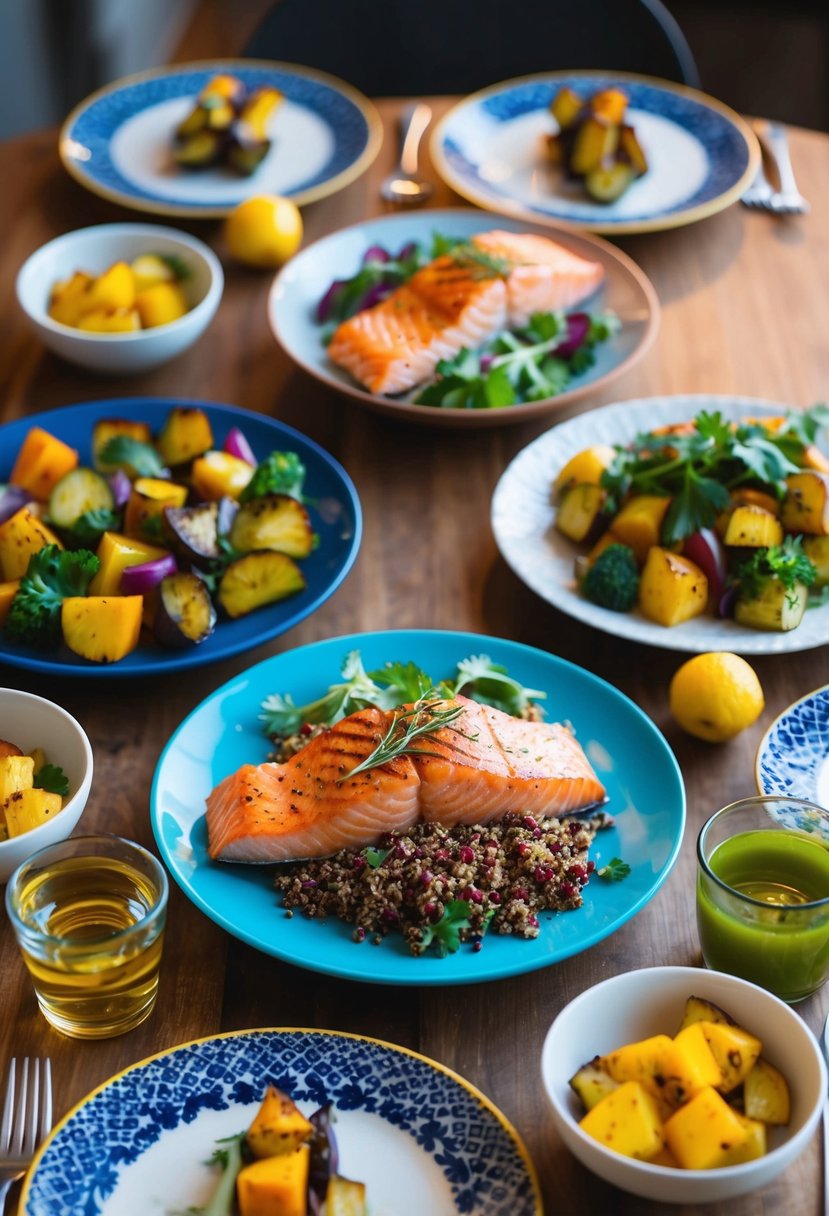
(631, 757)
(334, 508)
(420, 1137)
(793, 756)
(117, 142)
(701, 155)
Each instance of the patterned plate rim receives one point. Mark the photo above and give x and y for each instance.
(659, 223)
(507, 1127)
(374, 136)
(762, 747)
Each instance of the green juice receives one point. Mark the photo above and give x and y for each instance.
(776, 941)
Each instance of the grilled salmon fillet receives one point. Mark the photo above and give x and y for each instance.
(398, 342)
(544, 276)
(480, 767)
(454, 304)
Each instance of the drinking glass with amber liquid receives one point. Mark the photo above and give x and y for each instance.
(763, 894)
(89, 916)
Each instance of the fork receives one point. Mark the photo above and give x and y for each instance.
(761, 193)
(27, 1118)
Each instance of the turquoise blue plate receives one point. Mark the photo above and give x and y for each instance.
(491, 149)
(334, 510)
(421, 1138)
(793, 756)
(117, 143)
(631, 757)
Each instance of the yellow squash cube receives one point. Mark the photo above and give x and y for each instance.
(160, 304)
(149, 269)
(147, 500)
(20, 537)
(627, 1121)
(118, 321)
(639, 523)
(703, 1132)
(116, 552)
(751, 527)
(275, 1185)
(755, 1145)
(7, 593)
(68, 298)
(806, 505)
(279, 1126)
(102, 629)
(735, 1050)
(672, 589)
(218, 474)
(766, 1094)
(585, 468)
(115, 288)
(28, 809)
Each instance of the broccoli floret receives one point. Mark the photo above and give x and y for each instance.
(613, 579)
(53, 574)
(279, 473)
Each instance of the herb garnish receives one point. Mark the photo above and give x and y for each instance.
(406, 727)
(787, 563)
(447, 932)
(53, 779)
(140, 459)
(614, 871)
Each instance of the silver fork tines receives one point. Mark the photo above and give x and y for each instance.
(26, 1120)
(761, 193)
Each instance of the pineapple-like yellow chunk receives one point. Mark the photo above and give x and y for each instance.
(703, 1132)
(275, 1185)
(753, 1146)
(27, 809)
(734, 1049)
(766, 1094)
(627, 1121)
(16, 773)
(279, 1126)
(668, 1072)
(701, 1064)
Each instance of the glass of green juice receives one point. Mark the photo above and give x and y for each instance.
(763, 894)
(89, 916)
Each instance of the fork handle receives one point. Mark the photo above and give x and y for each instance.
(778, 143)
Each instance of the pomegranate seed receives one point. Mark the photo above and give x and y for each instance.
(478, 945)
(542, 874)
(494, 897)
(430, 908)
(567, 890)
(520, 894)
(426, 877)
(577, 872)
(389, 915)
(529, 822)
(400, 852)
(442, 855)
(533, 921)
(591, 865)
(359, 934)
(306, 728)
(466, 854)
(554, 847)
(358, 862)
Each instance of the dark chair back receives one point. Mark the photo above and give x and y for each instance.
(393, 48)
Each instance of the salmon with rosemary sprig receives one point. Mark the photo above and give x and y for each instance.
(476, 768)
(460, 300)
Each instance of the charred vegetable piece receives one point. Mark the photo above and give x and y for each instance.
(345, 1198)
(21, 537)
(257, 579)
(566, 107)
(102, 629)
(41, 462)
(595, 140)
(608, 181)
(186, 433)
(632, 151)
(145, 509)
(274, 1185)
(274, 521)
(193, 532)
(324, 1152)
(279, 1126)
(184, 613)
(592, 1082)
(77, 492)
(201, 150)
(218, 474)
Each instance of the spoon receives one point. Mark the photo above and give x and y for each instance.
(403, 186)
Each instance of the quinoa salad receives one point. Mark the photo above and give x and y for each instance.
(441, 887)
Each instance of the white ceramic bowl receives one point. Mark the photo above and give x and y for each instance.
(638, 1004)
(94, 250)
(30, 722)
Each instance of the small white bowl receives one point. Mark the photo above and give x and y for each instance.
(638, 1004)
(30, 722)
(94, 250)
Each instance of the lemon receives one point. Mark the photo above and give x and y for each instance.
(716, 695)
(264, 231)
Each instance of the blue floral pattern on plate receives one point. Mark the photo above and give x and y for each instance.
(463, 150)
(793, 757)
(86, 142)
(482, 1159)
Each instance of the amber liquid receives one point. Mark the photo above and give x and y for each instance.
(92, 944)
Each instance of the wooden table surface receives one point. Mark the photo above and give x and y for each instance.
(745, 310)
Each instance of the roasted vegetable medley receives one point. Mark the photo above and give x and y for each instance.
(228, 125)
(595, 144)
(129, 296)
(162, 534)
(283, 1165)
(31, 789)
(701, 1100)
(705, 516)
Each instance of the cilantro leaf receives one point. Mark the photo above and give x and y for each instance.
(446, 934)
(137, 458)
(614, 871)
(482, 680)
(88, 528)
(51, 777)
(375, 857)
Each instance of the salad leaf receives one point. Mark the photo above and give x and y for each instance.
(482, 680)
(51, 777)
(614, 871)
(139, 459)
(787, 562)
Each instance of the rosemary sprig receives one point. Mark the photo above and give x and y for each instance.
(408, 725)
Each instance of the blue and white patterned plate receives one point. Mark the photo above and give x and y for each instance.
(117, 142)
(421, 1138)
(701, 155)
(793, 756)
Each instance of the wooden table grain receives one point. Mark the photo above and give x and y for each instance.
(745, 310)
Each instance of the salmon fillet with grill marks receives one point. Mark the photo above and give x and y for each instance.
(480, 767)
(399, 342)
(449, 305)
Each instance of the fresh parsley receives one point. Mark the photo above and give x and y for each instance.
(482, 680)
(446, 933)
(88, 528)
(786, 562)
(52, 778)
(375, 857)
(614, 871)
(136, 458)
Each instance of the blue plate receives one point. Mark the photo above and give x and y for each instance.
(421, 1138)
(631, 757)
(701, 155)
(300, 285)
(117, 142)
(335, 515)
(793, 756)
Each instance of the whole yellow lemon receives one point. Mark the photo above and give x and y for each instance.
(716, 695)
(264, 231)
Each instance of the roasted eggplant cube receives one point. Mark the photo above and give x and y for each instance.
(193, 532)
(184, 612)
(246, 155)
(201, 150)
(631, 151)
(273, 521)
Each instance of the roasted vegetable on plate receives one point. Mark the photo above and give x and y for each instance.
(595, 144)
(706, 516)
(158, 537)
(284, 1165)
(228, 125)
